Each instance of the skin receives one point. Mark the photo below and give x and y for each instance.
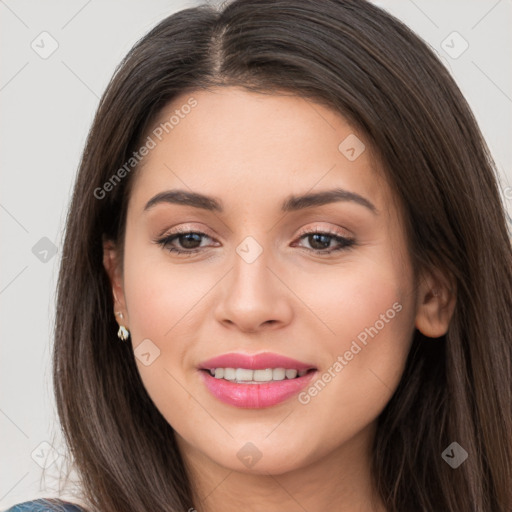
(251, 151)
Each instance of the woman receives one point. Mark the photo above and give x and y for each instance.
(290, 219)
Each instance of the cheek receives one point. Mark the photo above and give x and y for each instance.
(369, 309)
(166, 303)
(352, 297)
(159, 294)
(158, 298)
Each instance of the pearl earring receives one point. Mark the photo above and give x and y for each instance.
(123, 332)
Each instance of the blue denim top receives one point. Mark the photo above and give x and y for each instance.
(45, 505)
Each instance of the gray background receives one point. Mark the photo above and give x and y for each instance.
(47, 107)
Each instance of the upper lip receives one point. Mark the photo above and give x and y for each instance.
(259, 361)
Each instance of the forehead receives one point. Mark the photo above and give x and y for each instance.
(256, 146)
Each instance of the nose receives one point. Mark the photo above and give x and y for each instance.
(254, 297)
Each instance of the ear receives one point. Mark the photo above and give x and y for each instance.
(436, 300)
(112, 264)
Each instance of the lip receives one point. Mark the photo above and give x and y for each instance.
(259, 361)
(255, 396)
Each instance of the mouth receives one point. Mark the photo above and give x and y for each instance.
(255, 381)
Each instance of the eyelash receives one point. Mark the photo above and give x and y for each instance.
(345, 243)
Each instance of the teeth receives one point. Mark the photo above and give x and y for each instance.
(243, 374)
(255, 376)
(229, 373)
(262, 375)
(278, 374)
(291, 374)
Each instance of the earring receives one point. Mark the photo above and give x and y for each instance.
(123, 332)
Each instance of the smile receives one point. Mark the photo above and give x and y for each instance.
(255, 381)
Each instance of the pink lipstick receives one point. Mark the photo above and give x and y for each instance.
(255, 381)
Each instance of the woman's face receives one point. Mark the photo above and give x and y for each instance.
(256, 279)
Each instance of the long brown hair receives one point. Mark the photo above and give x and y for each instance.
(371, 69)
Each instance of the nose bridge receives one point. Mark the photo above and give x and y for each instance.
(253, 295)
(250, 276)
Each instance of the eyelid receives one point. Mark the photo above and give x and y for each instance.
(344, 233)
(183, 229)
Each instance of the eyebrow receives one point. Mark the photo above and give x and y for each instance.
(290, 204)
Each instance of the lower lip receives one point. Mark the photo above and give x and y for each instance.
(255, 396)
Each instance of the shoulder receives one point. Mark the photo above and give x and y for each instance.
(46, 505)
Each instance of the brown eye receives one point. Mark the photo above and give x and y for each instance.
(188, 242)
(320, 242)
